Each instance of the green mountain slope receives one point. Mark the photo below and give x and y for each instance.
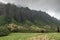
(23, 19)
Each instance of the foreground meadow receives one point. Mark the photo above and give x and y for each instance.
(18, 36)
(32, 36)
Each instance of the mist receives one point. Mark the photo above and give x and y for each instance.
(52, 7)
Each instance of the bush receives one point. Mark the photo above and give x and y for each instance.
(4, 31)
(3, 20)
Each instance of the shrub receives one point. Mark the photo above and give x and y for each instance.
(3, 20)
(4, 31)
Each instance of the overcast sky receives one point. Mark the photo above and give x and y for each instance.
(52, 7)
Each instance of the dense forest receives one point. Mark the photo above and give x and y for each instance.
(23, 19)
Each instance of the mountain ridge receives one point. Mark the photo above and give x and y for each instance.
(25, 17)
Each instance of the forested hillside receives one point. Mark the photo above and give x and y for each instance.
(23, 19)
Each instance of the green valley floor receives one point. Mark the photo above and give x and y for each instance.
(32, 36)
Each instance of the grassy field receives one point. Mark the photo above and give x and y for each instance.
(32, 36)
(18, 36)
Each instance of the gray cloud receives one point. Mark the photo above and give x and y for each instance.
(50, 6)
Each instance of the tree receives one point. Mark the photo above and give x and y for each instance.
(58, 30)
(4, 31)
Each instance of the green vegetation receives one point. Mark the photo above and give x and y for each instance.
(3, 20)
(55, 36)
(4, 31)
(26, 36)
(18, 36)
(25, 20)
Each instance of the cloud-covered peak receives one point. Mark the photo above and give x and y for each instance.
(50, 6)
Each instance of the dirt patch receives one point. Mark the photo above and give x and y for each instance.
(39, 37)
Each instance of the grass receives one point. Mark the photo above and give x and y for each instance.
(54, 36)
(30, 36)
(18, 36)
(47, 36)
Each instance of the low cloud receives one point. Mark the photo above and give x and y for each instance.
(50, 6)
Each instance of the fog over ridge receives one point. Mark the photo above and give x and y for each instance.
(52, 7)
